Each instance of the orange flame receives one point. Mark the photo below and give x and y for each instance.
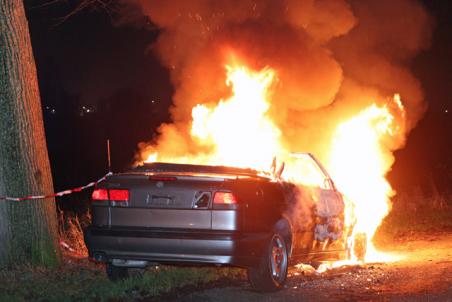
(238, 132)
(359, 163)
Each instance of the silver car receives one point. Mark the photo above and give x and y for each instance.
(194, 214)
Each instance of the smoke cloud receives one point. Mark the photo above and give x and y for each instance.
(333, 58)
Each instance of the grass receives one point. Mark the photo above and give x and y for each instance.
(424, 220)
(416, 216)
(88, 282)
(80, 280)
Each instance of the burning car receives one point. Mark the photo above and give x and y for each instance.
(161, 213)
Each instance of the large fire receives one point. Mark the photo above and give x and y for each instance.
(238, 129)
(359, 164)
(239, 132)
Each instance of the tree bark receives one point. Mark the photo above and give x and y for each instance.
(28, 229)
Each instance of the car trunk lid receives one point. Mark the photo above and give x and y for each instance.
(162, 201)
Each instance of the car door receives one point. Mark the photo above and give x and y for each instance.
(321, 218)
(329, 212)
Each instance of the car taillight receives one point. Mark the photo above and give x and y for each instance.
(119, 195)
(100, 194)
(224, 198)
(113, 194)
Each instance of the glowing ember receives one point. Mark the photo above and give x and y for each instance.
(238, 132)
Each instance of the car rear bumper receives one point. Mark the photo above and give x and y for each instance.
(175, 246)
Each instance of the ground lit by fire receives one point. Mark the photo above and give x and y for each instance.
(238, 131)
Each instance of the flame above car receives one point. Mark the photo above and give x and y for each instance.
(238, 131)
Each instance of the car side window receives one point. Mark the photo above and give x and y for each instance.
(302, 169)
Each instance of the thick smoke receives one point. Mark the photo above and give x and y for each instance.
(333, 58)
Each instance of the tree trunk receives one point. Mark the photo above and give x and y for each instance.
(28, 229)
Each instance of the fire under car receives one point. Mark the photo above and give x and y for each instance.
(165, 213)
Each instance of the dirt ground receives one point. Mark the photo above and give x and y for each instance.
(424, 274)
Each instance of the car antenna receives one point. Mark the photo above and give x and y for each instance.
(108, 155)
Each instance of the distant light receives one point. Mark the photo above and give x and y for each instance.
(53, 111)
(85, 110)
(446, 111)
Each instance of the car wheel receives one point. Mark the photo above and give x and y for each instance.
(360, 246)
(116, 273)
(357, 245)
(271, 273)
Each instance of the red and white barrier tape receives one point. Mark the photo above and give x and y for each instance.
(59, 194)
(72, 251)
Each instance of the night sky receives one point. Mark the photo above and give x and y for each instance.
(97, 81)
(100, 80)
(427, 157)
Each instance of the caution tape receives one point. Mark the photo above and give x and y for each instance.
(71, 251)
(59, 194)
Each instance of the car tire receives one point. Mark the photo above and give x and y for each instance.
(271, 273)
(360, 246)
(116, 273)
